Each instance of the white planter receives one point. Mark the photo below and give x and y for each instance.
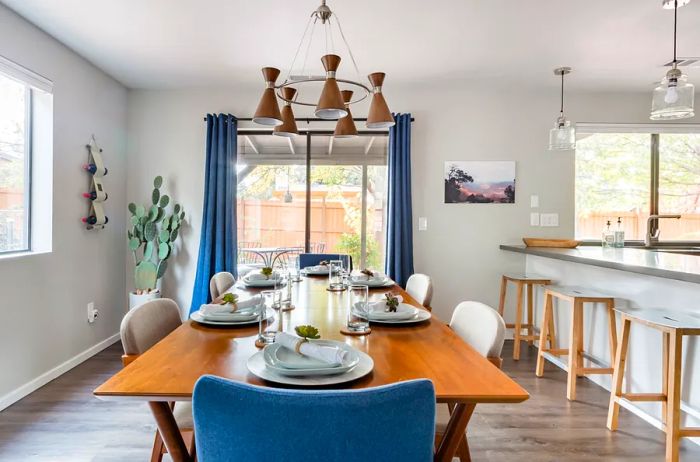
(136, 299)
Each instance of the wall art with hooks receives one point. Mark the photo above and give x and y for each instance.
(96, 194)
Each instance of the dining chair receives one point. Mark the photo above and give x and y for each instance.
(220, 283)
(420, 287)
(483, 329)
(237, 421)
(313, 259)
(141, 328)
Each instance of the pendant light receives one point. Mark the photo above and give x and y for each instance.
(563, 136)
(288, 198)
(345, 128)
(289, 125)
(379, 115)
(268, 111)
(330, 104)
(674, 98)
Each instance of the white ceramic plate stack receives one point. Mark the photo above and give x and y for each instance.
(282, 365)
(242, 318)
(255, 280)
(318, 270)
(404, 314)
(379, 280)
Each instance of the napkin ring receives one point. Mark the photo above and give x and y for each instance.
(297, 347)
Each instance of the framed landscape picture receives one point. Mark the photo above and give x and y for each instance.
(479, 182)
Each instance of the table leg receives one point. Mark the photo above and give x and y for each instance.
(169, 431)
(456, 428)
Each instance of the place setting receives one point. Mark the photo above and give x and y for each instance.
(389, 309)
(370, 278)
(306, 359)
(231, 312)
(264, 278)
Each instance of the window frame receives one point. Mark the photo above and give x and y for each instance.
(654, 131)
(365, 162)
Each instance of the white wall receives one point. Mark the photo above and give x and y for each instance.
(459, 120)
(43, 297)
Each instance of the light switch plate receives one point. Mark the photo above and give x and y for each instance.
(534, 202)
(422, 223)
(549, 219)
(534, 219)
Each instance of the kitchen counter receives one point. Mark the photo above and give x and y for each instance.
(633, 259)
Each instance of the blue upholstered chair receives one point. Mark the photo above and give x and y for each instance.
(313, 259)
(239, 422)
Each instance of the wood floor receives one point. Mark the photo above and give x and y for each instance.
(64, 422)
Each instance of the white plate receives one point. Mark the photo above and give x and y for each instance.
(256, 366)
(315, 272)
(423, 315)
(288, 363)
(373, 283)
(403, 312)
(198, 317)
(262, 282)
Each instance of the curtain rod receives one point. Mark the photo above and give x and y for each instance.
(308, 120)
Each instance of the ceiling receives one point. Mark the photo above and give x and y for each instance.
(612, 45)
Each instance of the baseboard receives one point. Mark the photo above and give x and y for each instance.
(29, 387)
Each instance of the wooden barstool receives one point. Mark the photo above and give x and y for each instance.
(577, 296)
(521, 282)
(673, 326)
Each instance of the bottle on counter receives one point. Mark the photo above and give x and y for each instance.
(619, 234)
(608, 239)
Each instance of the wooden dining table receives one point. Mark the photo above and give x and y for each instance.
(463, 378)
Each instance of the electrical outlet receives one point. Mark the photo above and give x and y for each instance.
(534, 219)
(422, 223)
(549, 219)
(92, 312)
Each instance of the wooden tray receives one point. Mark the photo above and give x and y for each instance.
(555, 243)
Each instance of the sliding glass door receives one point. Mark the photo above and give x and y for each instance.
(340, 209)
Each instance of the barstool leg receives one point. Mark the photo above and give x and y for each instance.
(552, 338)
(544, 334)
(530, 322)
(518, 321)
(502, 300)
(576, 320)
(665, 338)
(612, 329)
(579, 350)
(673, 419)
(619, 374)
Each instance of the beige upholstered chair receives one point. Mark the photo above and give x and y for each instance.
(484, 329)
(141, 328)
(420, 287)
(220, 283)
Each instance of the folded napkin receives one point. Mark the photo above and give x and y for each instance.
(378, 311)
(244, 309)
(325, 353)
(377, 278)
(260, 277)
(318, 268)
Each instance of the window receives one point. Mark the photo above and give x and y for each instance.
(344, 182)
(15, 161)
(630, 172)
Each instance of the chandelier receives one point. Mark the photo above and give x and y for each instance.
(333, 104)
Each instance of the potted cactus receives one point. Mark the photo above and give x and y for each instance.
(151, 240)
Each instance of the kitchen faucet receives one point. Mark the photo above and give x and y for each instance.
(653, 238)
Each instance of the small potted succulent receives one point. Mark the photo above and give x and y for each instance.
(151, 239)
(230, 300)
(267, 272)
(392, 303)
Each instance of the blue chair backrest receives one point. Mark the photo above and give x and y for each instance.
(239, 422)
(313, 259)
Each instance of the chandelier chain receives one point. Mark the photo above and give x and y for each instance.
(675, 29)
(352, 57)
(561, 110)
(296, 54)
(308, 47)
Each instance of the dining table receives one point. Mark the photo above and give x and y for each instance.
(462, 377)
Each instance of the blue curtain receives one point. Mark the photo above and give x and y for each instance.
(217, 245)
(399, 236)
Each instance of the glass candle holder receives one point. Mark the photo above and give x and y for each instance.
(358, 308)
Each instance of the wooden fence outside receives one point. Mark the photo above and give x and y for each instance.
(635, 223)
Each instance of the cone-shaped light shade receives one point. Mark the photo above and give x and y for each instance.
(268, 111)
(345, 128)
(330, 105)
(379, 115)
(289, 125)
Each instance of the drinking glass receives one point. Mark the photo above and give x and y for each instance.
(286, 292)
(297, 269)
(335, 275)
(358, 308)
(269, 326)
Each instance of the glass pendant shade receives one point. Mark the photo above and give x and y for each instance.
(345, 128)
(330, 104)
(268, 111)
(563, 136)
(289, 125)
(379, 115)
(674, 98)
